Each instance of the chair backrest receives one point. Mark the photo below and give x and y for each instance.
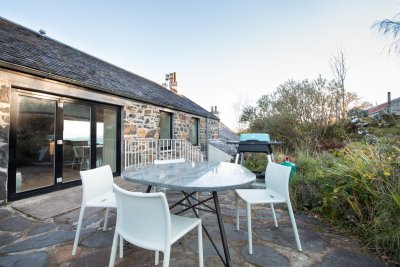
(179, 160)
(96, 182)
(277, 178)
(143, 219)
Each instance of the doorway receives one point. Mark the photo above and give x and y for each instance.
(53, 138)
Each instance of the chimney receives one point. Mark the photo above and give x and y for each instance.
(389, 102)
(215, 111)
(171, 83)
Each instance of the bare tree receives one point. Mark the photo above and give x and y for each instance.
(238, 108)
(390, 27)
(339, 70)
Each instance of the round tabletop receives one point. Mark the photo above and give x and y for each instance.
(204, 176)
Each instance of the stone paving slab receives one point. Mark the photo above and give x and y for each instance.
(38, 259)
(4, 213)
(263, 256)
(32, 236)
(45, 240)
(67, 200)
(42, 228)
(15, 224)
(340, 257)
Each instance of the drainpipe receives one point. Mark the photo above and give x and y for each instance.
(206, 146)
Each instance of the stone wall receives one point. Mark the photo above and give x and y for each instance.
(182, 126)
(213, 129)
(142, 121)
(5, 91)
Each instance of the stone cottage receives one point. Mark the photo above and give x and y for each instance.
(62, 111)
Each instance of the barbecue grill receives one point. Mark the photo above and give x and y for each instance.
(254, 142)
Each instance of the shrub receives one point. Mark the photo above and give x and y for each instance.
(256, 162)
(357, 187)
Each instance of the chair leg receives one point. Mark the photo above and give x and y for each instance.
(106, 219)
(296, 233)
(166, 257)
(121, 247)
(249, 230)
(157, 257)
(200, 244)
(78, 230)
(237, 210)
(113, 250)
(274, 215)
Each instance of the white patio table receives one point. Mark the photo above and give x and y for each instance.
(193, 177)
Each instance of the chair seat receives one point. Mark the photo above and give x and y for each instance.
(104, 201)
(181, 225)
(259, 196)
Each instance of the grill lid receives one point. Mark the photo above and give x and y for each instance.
(261, 137)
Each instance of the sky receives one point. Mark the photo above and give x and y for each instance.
(226, 51)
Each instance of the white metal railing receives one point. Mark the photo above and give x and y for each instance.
(143, 151)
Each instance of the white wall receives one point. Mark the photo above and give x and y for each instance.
(215, 154)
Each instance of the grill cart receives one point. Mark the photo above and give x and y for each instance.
(254, 142)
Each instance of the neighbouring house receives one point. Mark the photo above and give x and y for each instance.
(62, 111)
(392, 106)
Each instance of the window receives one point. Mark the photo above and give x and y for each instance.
(165, 125)
(194, 131)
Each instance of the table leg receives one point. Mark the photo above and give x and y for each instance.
(222, 229)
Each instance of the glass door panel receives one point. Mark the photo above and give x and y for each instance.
(76, 140)
(106, 139)
(35, 132)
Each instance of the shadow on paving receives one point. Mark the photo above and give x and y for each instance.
(39, 231)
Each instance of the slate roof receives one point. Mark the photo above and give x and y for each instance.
(225, 135)
(21, 46)
(382, 107)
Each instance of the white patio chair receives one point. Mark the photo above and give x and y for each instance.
(97, 192)
(276, 191)
(144, 220)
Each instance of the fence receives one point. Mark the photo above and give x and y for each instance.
(143, 151)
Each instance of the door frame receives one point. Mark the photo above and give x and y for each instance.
(58, 135)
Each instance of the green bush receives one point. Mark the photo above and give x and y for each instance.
(357, 187)
(256, 162)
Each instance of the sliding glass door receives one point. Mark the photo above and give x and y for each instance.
(54, 138)
(106, 138)
(35, 131)
(76, 140)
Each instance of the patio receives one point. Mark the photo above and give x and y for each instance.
(39, 231)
